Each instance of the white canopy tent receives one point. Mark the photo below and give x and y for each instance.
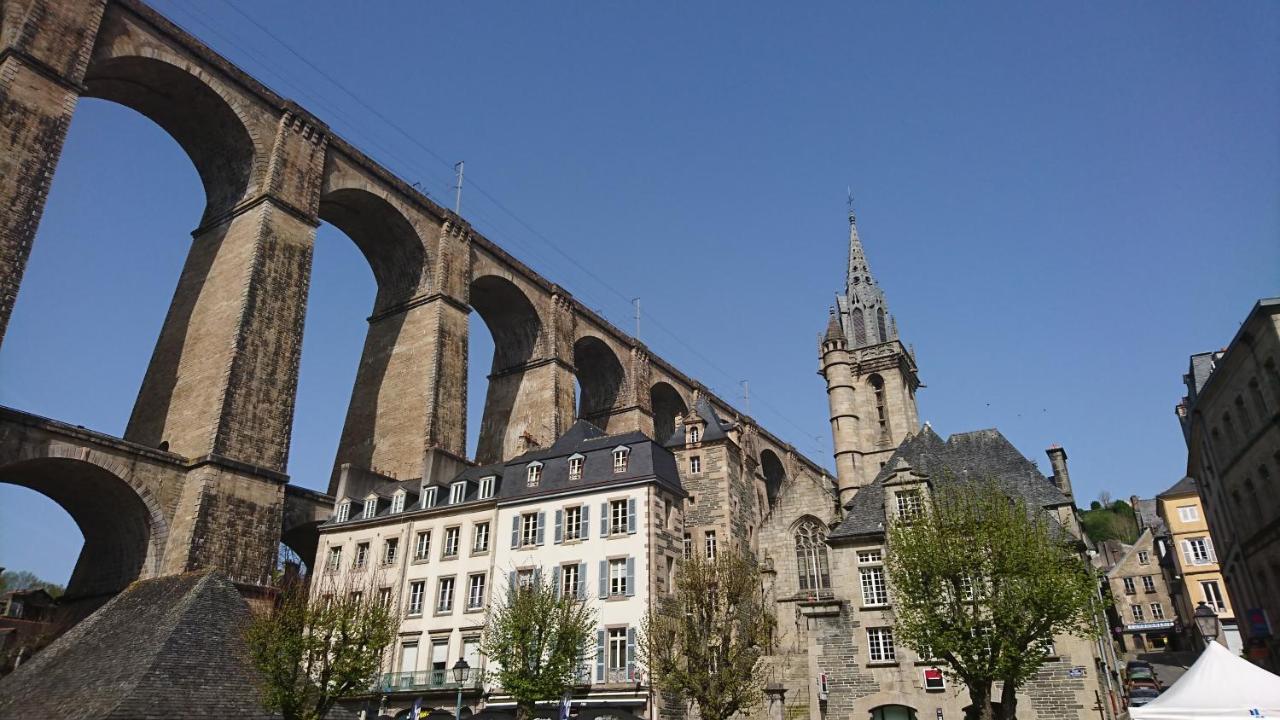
(1218, 685)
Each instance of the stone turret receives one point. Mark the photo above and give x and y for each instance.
(871, 377)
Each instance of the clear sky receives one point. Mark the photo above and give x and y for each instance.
(1063, 201)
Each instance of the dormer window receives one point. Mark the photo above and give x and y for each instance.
(695, 435)
(397, 502)
(428, 497)
(344, 511)
(620, 454)
(458, 492)
(909, 504)
(486, 487)
(533, 474)
(370, 506)
(575, 466)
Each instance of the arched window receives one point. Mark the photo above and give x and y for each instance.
(882, 410)
(694, 435)
(893, 712)
(811, 557)
(859, 327)
(880, 324)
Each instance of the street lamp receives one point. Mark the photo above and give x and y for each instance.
(1206, 622)
(461, 671)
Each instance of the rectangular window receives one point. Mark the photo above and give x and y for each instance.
(620, 460)
(429, 497)
(618, 518)
(1144, 557)
(397, 502)
(880, 645)
(533, 475)
(1128, 586)
(439, 661)
(711, 544)
(390, 550)
(617, 653)
(569, 580)
(688, 546)
(1157, 611)
(529, 529)
(335, 559)
(1148, 583)
(874, 591)
(370, 507)
(573, 523)
(524, 579)
(1213, 595)
(475, 592)
(356, 597)
(1137, 614)
(451, 541)
(457, 492)
(444, 595)
(1188, 513)
(362, 555)
(409, 657)
(617, 577)
(695, 464)
(344, 511)
(486, 487)
(870, 556)
(909, 504)
(416, 590)
(480, 538)
(422, 545)
(384, 596)
(1198, 551)
(575, 468)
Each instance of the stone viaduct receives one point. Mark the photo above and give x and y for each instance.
(198, 479)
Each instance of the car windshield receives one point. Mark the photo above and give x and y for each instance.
(1144, 693)
(1140, 672)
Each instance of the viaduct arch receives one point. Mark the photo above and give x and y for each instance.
(199, 474)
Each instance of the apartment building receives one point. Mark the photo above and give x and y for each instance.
(1195, 574)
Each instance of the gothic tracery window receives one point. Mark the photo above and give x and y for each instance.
(811, 557)
(884, 336)
(859, 328)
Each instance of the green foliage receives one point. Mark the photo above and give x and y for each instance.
(24, 580)
(1113, 521)
(538, 639)
(312, 650)
(984, 583)
(706, 641)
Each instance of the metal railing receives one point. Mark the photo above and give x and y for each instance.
(425, 680)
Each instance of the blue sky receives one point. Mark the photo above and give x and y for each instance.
(1062, 201)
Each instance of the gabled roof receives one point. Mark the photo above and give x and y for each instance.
(1185, 486)
(973, 455)
(168, 647)
(716, 427)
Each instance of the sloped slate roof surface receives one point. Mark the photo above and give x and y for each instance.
(973, 455)
(716, 427)
(161, 649)
(1182, 487)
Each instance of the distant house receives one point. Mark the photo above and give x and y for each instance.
(26, 625)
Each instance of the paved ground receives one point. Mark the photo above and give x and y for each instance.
(1169, 665)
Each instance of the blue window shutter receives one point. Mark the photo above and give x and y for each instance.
(515, 532)
(631, 515)
(604, 519)
(631, 653)
(537, 576)
(559, 527)
(539, 538)
(586, 521)
(582, 581)
(604, 579)
(631, 576)
(599, 656)
(512, 581)
(555, 581)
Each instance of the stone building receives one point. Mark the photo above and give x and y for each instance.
(1230, 418)
(1140, 595)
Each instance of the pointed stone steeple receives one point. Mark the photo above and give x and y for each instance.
(864, 311)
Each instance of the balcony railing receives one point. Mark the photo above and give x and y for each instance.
(425, 680)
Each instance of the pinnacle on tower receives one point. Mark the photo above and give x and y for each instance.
(864, 312)
(834, 331)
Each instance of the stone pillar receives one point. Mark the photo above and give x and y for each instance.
(44, 50)
(223, 377)
(836, 367)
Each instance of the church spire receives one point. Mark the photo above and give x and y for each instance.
(864, 310)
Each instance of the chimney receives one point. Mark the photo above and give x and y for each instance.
(1058, 461)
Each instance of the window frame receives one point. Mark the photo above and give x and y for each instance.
(485, 490)
(453, 532)
(621, 458)
(695, 464)
(480, 531)
(617, 577)
(390, 550)
(472, 602)
(444, 598)
(458, 492)
(417, 591)
(422, 545)
(533, 474)
(880, 641)
(575, 466)
(709, 544)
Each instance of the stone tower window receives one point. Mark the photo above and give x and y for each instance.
(880, 325)
(694, 435)
(882, 410)
(811, 557)
(859, 327)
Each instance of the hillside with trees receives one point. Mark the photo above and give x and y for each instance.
(1108, 520)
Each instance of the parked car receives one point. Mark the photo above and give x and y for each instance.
(1138, 664)
(1141, 673)
(1150, 684)
(1140, 696)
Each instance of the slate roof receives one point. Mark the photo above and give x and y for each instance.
(716, 427)
(971, 455)
(161, 649)
(1186, 485)
(1149, 516)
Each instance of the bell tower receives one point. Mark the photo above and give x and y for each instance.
(871, 376)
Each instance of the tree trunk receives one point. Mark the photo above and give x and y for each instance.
(1008, 701)
(980, 703)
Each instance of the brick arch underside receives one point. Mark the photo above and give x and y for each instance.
(124, 530)
(388, 241)
(666, 403)
(516, 328)
(200, 120)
